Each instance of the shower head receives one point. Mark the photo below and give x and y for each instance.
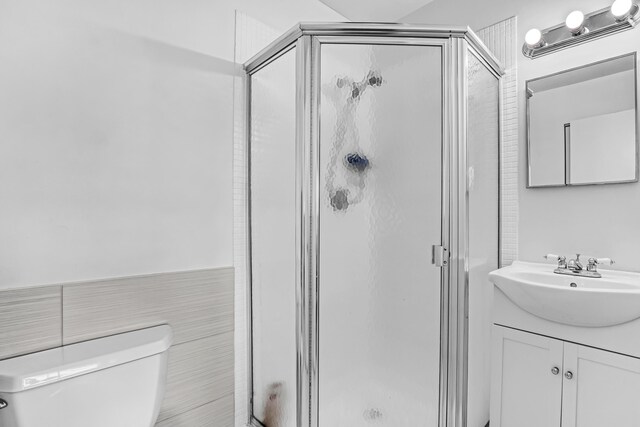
(356, 162)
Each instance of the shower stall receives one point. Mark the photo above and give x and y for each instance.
(373, 219)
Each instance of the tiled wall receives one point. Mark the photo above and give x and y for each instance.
(501, 39)
(197, 304)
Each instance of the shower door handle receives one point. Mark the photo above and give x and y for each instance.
(439, 255)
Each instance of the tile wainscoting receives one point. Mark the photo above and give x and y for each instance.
(197, 304)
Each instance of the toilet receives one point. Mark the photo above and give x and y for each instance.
(117, 381)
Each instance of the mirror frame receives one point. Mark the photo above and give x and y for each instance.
(637, 124)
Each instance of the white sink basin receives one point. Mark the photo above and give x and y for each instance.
(607, 301)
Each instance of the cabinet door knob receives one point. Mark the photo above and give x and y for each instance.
(555, 370)
(568, 375)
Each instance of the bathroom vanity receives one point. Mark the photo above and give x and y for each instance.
(566, 349)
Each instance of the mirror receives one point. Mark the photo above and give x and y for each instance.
(582, 125)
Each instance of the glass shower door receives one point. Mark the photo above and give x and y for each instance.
(273, 242)
(380, 212)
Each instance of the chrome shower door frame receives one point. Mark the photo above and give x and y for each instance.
(458, 359)
(276, 51)
(310, 408)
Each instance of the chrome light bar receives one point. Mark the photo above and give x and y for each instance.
(597, 24)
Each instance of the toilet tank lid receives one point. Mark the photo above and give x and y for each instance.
(62, 363)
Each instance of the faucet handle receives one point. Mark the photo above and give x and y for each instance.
(593, 263)
(560, 259)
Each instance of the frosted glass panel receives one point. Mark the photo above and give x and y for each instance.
(273, 245)
(482, 141)
(380, 212)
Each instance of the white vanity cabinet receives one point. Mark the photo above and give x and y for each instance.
(545, 382)
(524, 390)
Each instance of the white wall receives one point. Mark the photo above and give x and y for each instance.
(598, 220)
(116, 122)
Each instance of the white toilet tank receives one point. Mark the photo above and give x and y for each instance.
(117, 381)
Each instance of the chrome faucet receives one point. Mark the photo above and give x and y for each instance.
(575, 265)
(575, 268)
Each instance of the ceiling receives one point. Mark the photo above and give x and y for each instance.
(375, 10)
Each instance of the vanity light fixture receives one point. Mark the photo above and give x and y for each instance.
(575, 23)
(579, 28)
(533, 38)
(621, 9)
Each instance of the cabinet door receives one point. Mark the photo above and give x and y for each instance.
(603, 389)
(526, 391)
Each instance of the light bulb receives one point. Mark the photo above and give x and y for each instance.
(621, 9)
(575, 22)
(533, 38)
